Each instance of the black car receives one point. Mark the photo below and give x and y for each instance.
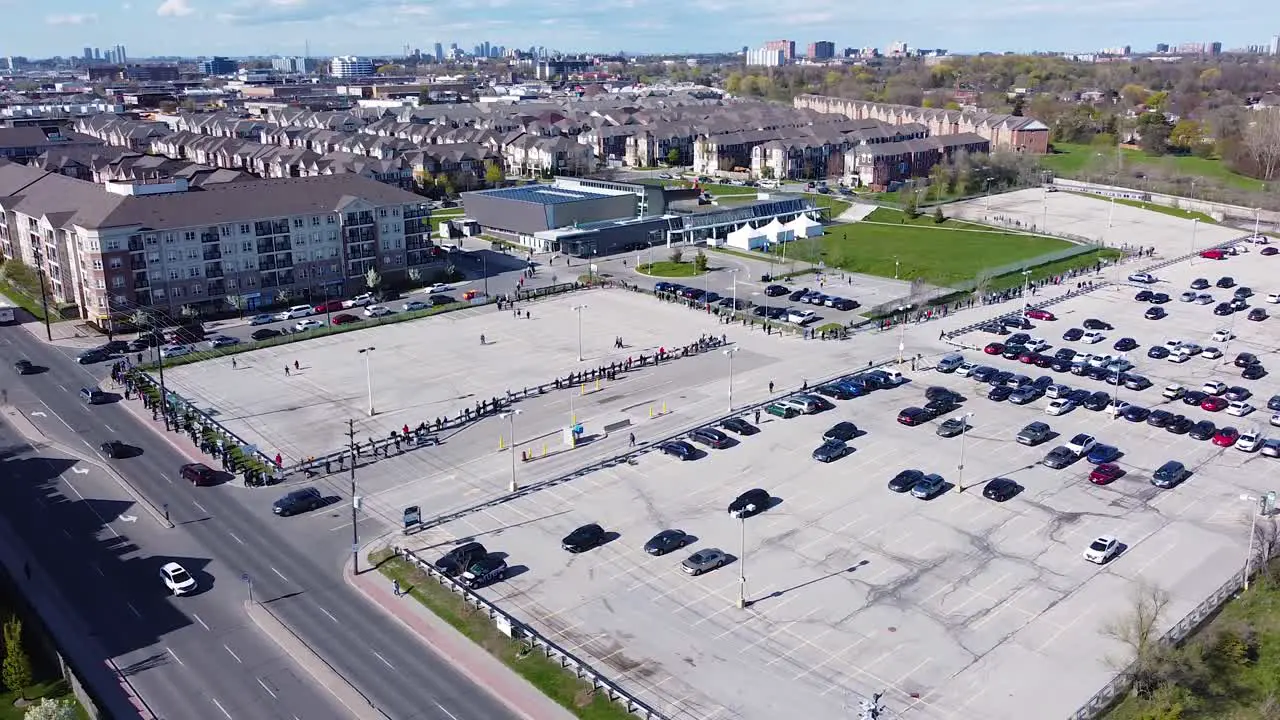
(843, 431)
(1042, 383)
(1236, 392)
(1013, 351)
(1065, 354)
(1097, 401)
(1202, 430)
(583, 539)
(831, 450)
(1135, 413)
(995, 329)
(1002, 377)
(678, 449)
(776, 290)
(114, 347)
(264, 334)
(457, 560)
(797, 294)
(1143, 296)
(1257, 315)
(1244, 360)
(1155, 313)
(983, 374)
(913, 416)
(93, 355)
(751, 502)
(1160, 298)
(1179, 425)
(438, 300)
(1253, 372)
(905, 480)
(1019, 339)
(1226, 282)
(666, 541)
(1073, 334)
(1125, 344)
(1061, 366)
(740, 426)
(489, 568)
(941, 393)
(1238, 304)
(940, 407)
(24, 367)
(834, 391)
(1000, 393)
(1000, 489)
(1194, 397)
(1243, 291)
(710, 437)
(1223, 309)
(1274, 403)
(1096, 324)
(952, 427)
(1079, 396)
(1159, 418)
(1059, 457)
(114, 449)
(1158, 352)
(297, 501)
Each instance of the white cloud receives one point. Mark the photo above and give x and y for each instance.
(126, 6)
(70, 19)
(175, 8)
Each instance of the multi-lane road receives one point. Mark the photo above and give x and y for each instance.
(198, 656)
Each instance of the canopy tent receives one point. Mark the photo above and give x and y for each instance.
(746, 238)
(805, 227)
(776, 232)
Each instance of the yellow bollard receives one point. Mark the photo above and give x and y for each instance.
(502, 443)
(544, 449)
(583, 387)
(597, 384)
(664, 407)
(650, 412)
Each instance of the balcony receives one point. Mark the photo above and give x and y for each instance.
(363, 235)
(140, 283)
(266, 263)
(137, 262)
(213, 270)
(135, 244)
(215, 288)
(412, 212)
(208, 237)
(212, 253)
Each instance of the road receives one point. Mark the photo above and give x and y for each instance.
(222, 534)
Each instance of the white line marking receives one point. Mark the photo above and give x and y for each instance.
(264, 687)
(234, 537)
(384, 660)
(95, 567)
(326, 612)
(51, 412)
(133, 609)
(197, 617)
(446, 712)
(224, 710)
(277, 572)
(198, 505)
(175, 655)
(108, 427)
(237, 657)
(61, 388)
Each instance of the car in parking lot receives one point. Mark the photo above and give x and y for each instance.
(583, 538)
(1135, 413)
(1102, 453)
(704, 560)
(487, 569)
(298, 501)
(1169, 474)
(952, 427)
(1059, 406)
(1000, 393)
(1179, 425)
(1257, 314)
(1239, 408)
(776, 291)
(1073, 334)
(1102, 549)
(176, 351)
(1158, 352)
(831, 450)
(1271, 447)
(1125, 344)
(1250, 440)
(1025, 394)
(1060, 457)
(666, 541)
(678, 449)
(1155, 313)
(710, 437)
(1187, 297)
(905, 480)
(843, 431)
(1099, 400)
(778, 409)
(1105, 473)
(1225, 282)
(1213, 403)
(1173, 391)
(262, 319)
(218, 341)
(1203, 430)
(1000, 489)
(1211, 353)
(1093, 337)
(1159, 417)
(1034, 433)
(459, 558)
(751, 502)
(1204, 299)
(928, 486)
(1081, 443)
(1038, 314)
(1213, 387)
(1226, 436)
(913, 416)
(739, 426)
(1253, 372)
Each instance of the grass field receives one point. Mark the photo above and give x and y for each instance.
(1162, 209)
(890, 244)
(668, 269)
(52, 690)
(718, 190)
(1072, 161)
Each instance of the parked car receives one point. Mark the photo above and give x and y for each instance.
(1102, 549)
(1169, 474)
(678, 449)
(666, 541)
(953, 426)
(905, 480)
(1105, 473)
(488, 569)
(751, 502)
(1000, 489)
(704, 560)
(264, 334)
(739, 426)
(928, 486)
(583, 538)
(1034, 433)
(262, 319)
(710, 437)
(461, 557)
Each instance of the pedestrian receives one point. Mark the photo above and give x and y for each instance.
(770, 387)
(295, 365)
(286, 371)
(632, 439)
(233, 363)
(757, 416)
(395, 587)
(527, 315)
(279, 460)
(406, 429)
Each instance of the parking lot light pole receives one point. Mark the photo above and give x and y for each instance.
(964, 430)
(578, 309)
(1257, 221)
(1253, 529)
(742, 564)
(896, 266)
(730, 352)
(735, 289)
(368, 374)
(511, 417)
(902, 334)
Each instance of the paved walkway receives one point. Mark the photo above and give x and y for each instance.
(470, 659)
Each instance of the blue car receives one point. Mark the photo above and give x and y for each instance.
(854, 388)
(262, 319)
(1103, 454)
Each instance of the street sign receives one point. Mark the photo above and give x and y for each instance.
(412, 518)
(244, 578)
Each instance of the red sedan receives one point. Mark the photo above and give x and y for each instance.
(994, 348)
(344, 319)
(1226, 437)
(1213, 403)
(1105, 473)
(328, 306)
(1029, 358)
(1213, 254)
(1040, 315)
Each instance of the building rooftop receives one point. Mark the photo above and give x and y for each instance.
(543, 194)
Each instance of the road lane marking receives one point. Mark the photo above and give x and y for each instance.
(446, 712)
(108, 427)
(384, 660)
(277, 572)
(199, 506)
(237, 657)
(264, 687)
(224, 710)
(175, 655)
(202, 623)
(132, 608)
(51, 412)
(326, 612)
(235, 537)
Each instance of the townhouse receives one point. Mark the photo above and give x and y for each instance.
(879, 165)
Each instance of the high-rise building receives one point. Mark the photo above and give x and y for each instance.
(439, 53)
(88, 53)
(219, 66)
(1215, 48)
(1162, 47)
(349, 66)
(121, 57)
(1275, 44)
(899, 49)
(822, 50)
(786, 47)
(767, 57)
(97, 53)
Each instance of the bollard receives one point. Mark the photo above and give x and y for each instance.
(597, 383)
(544, 449)
(650, 412)
(583, 387)
(502, 443)
(664, 407)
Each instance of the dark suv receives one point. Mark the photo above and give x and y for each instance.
(583, 539)
(457, 560)
(198, 474)
(710, 437)
(298, 501)
(750, 503)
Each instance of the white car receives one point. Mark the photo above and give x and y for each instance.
(1204, 299)
(1102, 549)
(1146, 278)
(1273, 298)
(1172, 345)
(1093, 337)
(1115, 407)
(173, 351)
(1173, 392)
(308, 324)
(1055, 392)
(1059, 406)
(1081, 444)
(1036, 344)
(1275, 419)
(358, 301)
(1213, 387)
(965, 369)
(1250, 440)
(1179, 357)
(414, 305)
(177, 579)
(1239, 408)
(438, 288)
(377, 310)
(295, 312)
(1212, 353)
(1222, 336)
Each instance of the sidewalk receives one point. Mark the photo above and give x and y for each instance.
(66, 333)
(470, 659)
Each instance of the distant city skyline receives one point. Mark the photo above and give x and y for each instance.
(384, 27)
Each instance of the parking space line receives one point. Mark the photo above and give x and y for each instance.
(1063, 628)
(1007, 603)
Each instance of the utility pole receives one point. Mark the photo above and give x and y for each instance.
(355, 499)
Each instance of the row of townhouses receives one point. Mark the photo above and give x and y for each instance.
(112, 249)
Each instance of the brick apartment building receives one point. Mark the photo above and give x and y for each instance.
(116, 248)
(1005, 132)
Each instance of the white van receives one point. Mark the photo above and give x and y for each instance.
(770, 184)
(297, 311)
(800, 317)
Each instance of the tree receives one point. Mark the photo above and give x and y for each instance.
(910, 206)
(766, 172)
(50, 709)
(21, 275)
(677, 255)
(188, 312)
(1187, 135)
(493, 174)
(424, 97)
(1019, 103)
(372, 279)
(238, 303)
(938, 180)
(1262, 141)
(415, 275)
(283, 295)
(1266, 545)
(1139, 631)
(673, 156)
(938, 217)
(700, 262)
(1153, 130)
(141, 319)
(16, 669)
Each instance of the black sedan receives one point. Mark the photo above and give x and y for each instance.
(776, 291)
(1135, 413)
(739, 426)
(1073, 334)
(1000, 394)
(1203, 430)
(583, 539)
(1079, 396)
(678, 449)
(1158, 352)
(835, 391)
(1179, 425)
(1143, 296)
(1194, 397)
(1097, 401)
(1000, 489)
(1125, 344)
(842, 431)
(710, 437)
(264, 334)
(1253, 372)
(24, 367)
(114, 449)
(905, 480)
(1155, 313)
(458, 559)
(1159, 418)
(666, 541)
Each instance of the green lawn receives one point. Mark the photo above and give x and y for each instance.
(19, 298)
(717, 190)
(1073, 160)
(942, 254)
(666, 268)
(552, 680)
(51, 690)
(835, 204)
(1162, 209)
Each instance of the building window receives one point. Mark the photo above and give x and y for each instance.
(297, 222)
(232, 284)
(170, 237)
(246, 246)
(173, 274)
(395, 212)
(225, 230)
(177, 292)
(189, 235)
(329, 220)
(153, 257)
(116, 263)
(113, 244)
(157, 294)
(244, 228)
(102, 284)
(197, 289)
(151, 239)
(193, 272)
(192, 254)
(97, 263)
(117, 282)
(173, 256)
(315, 220)
(382, 212)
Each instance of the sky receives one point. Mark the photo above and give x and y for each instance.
(383, 27)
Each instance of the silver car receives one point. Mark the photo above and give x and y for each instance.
(704, 560)
(928, 486)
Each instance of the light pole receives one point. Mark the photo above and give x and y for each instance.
(1195, 223)
(730, 352)
(1253, 529)
(735, 290)
(511, 417)
(902, 334)
(578, 309)
(1257, 221)
(742, 565)
(896, 266)
(1044, 202)
(964, 430)
(44, 295)
(368, 374)
(1026, 285)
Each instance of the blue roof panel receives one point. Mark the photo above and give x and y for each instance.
(542, 194)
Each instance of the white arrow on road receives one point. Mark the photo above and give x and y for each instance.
(80, 471)
(38, 413)
(129, 518)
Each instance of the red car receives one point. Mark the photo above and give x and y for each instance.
(1105, 473)
(1044, 361)
(994, 348)
(1226, 437)
(198, 474)
(1213, 254)
(1213, 403)
(344, 319)
(1040, 315)
(1029, 358)
(328, 306)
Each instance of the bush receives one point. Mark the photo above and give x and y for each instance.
(677, 255)
(938, 217)
(700, 262)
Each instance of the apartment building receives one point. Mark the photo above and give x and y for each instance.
(116, 248)
(880, 165)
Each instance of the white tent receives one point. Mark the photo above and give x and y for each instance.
(746, 238)
(776, 232)
(805, 227)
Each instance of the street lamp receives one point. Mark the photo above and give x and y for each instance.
(896, 266)
(1195, 223)
(1026, 285)
(742, 564)
(730, 352)
(44, 295)
(578, 309)
(735, 289)
(1253, 528)
(511, 417)
(902, 333)
(964, 430)
(1257, 221)
(368, 374)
